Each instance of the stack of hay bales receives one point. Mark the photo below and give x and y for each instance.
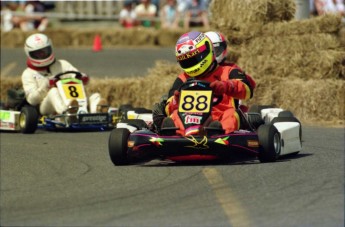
(298, 65)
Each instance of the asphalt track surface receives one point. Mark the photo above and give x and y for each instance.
(67, 179)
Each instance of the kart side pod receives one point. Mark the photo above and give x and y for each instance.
(288, 126)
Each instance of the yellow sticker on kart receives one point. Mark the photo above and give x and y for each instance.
(195, 101)
(5, 115)
(73, 91)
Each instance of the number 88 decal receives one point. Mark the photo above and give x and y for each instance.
(201, 103)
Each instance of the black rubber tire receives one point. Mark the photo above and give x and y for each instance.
(118, 146)
(255, 120)
(285, 113)
(270, 143)
(28, 120)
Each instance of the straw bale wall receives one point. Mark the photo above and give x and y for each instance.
(298, 65)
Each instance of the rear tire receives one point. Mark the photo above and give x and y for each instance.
(118, 146)
(270, 143)
(28, 120)
(285, 113)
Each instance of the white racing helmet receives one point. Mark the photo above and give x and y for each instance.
(38, 48)
(220, 45)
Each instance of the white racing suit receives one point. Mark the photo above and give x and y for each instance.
(37, 90)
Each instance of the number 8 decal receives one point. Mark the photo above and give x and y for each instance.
(188, 103)
(73, 91)
(202, 105)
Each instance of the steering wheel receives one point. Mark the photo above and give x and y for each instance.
(78, 75)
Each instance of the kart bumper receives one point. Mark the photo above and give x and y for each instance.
(147, 145)
(99, 121)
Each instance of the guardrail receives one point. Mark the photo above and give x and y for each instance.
(83, 10)
(88, 9)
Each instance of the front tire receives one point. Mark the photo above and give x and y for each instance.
(118, 146)
(270, 143)
(28, 120)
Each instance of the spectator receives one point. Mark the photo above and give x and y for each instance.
(7, 15)
(127, 16)
(182, 6)
(169, 15)
(330, 6)
(38, 22)
(197, 14)
(146, 13)
(27, 20)
(10, 19)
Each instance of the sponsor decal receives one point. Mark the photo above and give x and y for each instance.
(199, 38)
(253, 143)
(193, 71)
(156, 141)
(5, 115)
(198, 145)
(191, 119)
(192, 130)
(188, 55)
(193, 114)
(93, 118)
(203, 63)
(223, 141)
(6, 125)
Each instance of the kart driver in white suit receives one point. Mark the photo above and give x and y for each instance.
(42, 66)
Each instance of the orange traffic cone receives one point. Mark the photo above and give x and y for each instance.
(97, 43)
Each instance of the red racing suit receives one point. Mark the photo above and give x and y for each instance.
(249, 79)
(225, 111)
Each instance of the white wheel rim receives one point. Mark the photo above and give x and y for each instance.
(276, 143)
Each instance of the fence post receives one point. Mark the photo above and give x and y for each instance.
(302, 9)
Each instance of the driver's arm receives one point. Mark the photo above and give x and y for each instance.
(172, 103)
(242, 86)
(35, 86)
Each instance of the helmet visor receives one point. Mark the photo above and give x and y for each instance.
(219, 48)
(41, 53)
(202, 53)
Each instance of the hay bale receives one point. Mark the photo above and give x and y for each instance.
(291, 44)
(61, 37)
(166, 37)
(306, 53)
(8, 83)
(243, 19)
(15, 38)
(328, 23)
(311, 65)
(313, 101)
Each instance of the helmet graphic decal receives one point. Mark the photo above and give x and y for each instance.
(194, 52)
